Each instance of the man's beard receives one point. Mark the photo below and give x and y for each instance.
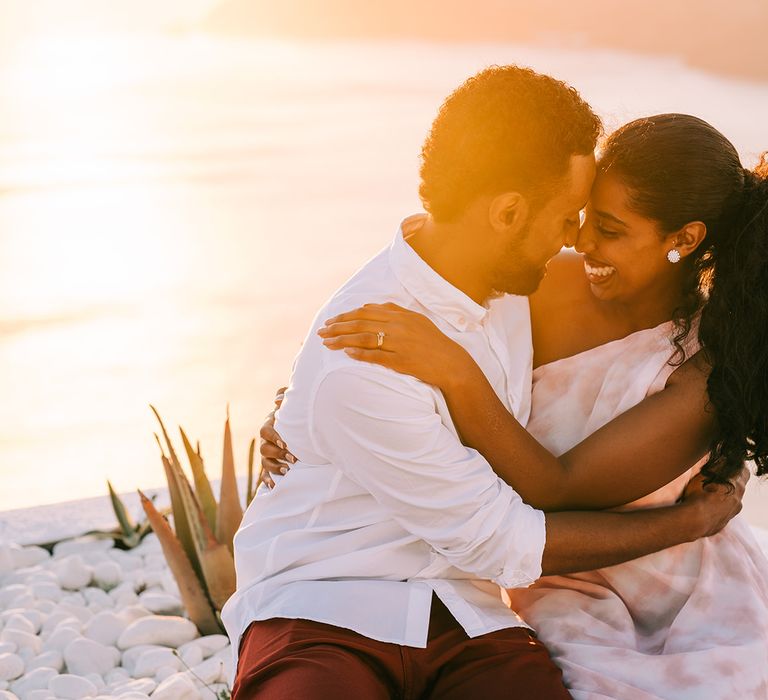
(515, 273)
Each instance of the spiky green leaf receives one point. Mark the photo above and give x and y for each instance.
(127, 525)
(230, 511)
(203, 488)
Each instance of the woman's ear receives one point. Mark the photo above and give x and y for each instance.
(689, 237)
(508, 212)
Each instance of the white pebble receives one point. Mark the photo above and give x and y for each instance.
(76, 600)
(7, 564)
(160, 603)
(209, 671)
(132, 613)
(8, 695)
(79, 545)
(96, 595)
(227, 658)
(140, 685)
(22, 639)
(51, 659)
(169, 584)
(149, 543)
(116, 676)
(165, 672)
(151, 660)
(155, 561)
(34, 680)
(154, 580)
(128, 560)
(53, 620)
(20, 622)
(131, 656)
(38, 574)
(26, 654)
(97, 680)
(40, 694)
(8, 594)
(107, 574)
(192, 655)
(176, 687)
(11, 666)
(78, 611)
(30, 556)
(158, 629)
(84, 656)
(60, 638)
(73, 573)
(35, 618)
(105, 628)
(7, 648)
(71, 687)
(126, 598)
(45, 606)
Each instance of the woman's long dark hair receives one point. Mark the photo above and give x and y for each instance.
(679, 169)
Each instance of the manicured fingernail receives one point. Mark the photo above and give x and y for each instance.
(281, 444)
(290, 458)
(283, 470)
(329, 341)
(322, 331)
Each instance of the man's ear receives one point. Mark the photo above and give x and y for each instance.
(689, 237)
(508, 212)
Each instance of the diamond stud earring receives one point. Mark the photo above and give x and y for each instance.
(673, 256)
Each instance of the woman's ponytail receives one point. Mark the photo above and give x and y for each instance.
(734, 331)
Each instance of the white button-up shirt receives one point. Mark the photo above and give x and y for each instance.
(385, 504)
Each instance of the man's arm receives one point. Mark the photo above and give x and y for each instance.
(384, 431)
(582, 541)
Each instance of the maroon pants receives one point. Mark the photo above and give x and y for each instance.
(307, 660)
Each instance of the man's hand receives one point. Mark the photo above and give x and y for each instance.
(275, 458)
(715, 504)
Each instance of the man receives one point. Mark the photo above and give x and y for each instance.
(368, 570)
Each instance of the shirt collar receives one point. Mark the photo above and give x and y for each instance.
(428, 288)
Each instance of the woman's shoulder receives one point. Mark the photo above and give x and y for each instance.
(562, 310)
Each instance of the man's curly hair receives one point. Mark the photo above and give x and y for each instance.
(505, 129)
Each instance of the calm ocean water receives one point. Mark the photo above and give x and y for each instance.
(174, 209)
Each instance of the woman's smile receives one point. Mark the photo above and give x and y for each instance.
(598, 272)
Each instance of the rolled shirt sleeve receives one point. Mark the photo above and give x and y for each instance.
(385, 432)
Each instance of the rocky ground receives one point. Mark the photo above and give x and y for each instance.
(93, 621)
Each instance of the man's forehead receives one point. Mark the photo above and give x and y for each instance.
(582, 175)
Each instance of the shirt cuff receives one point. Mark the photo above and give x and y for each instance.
(523, 569)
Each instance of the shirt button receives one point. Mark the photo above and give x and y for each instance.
(462, 320)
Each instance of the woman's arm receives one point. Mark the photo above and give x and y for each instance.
(635, 454)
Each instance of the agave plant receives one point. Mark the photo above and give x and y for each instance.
(130, 533)
(200, 551)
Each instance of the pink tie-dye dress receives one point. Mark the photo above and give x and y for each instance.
(687, 623)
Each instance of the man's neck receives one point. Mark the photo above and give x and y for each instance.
(449, 251)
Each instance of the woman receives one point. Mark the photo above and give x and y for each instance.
(675, 257)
